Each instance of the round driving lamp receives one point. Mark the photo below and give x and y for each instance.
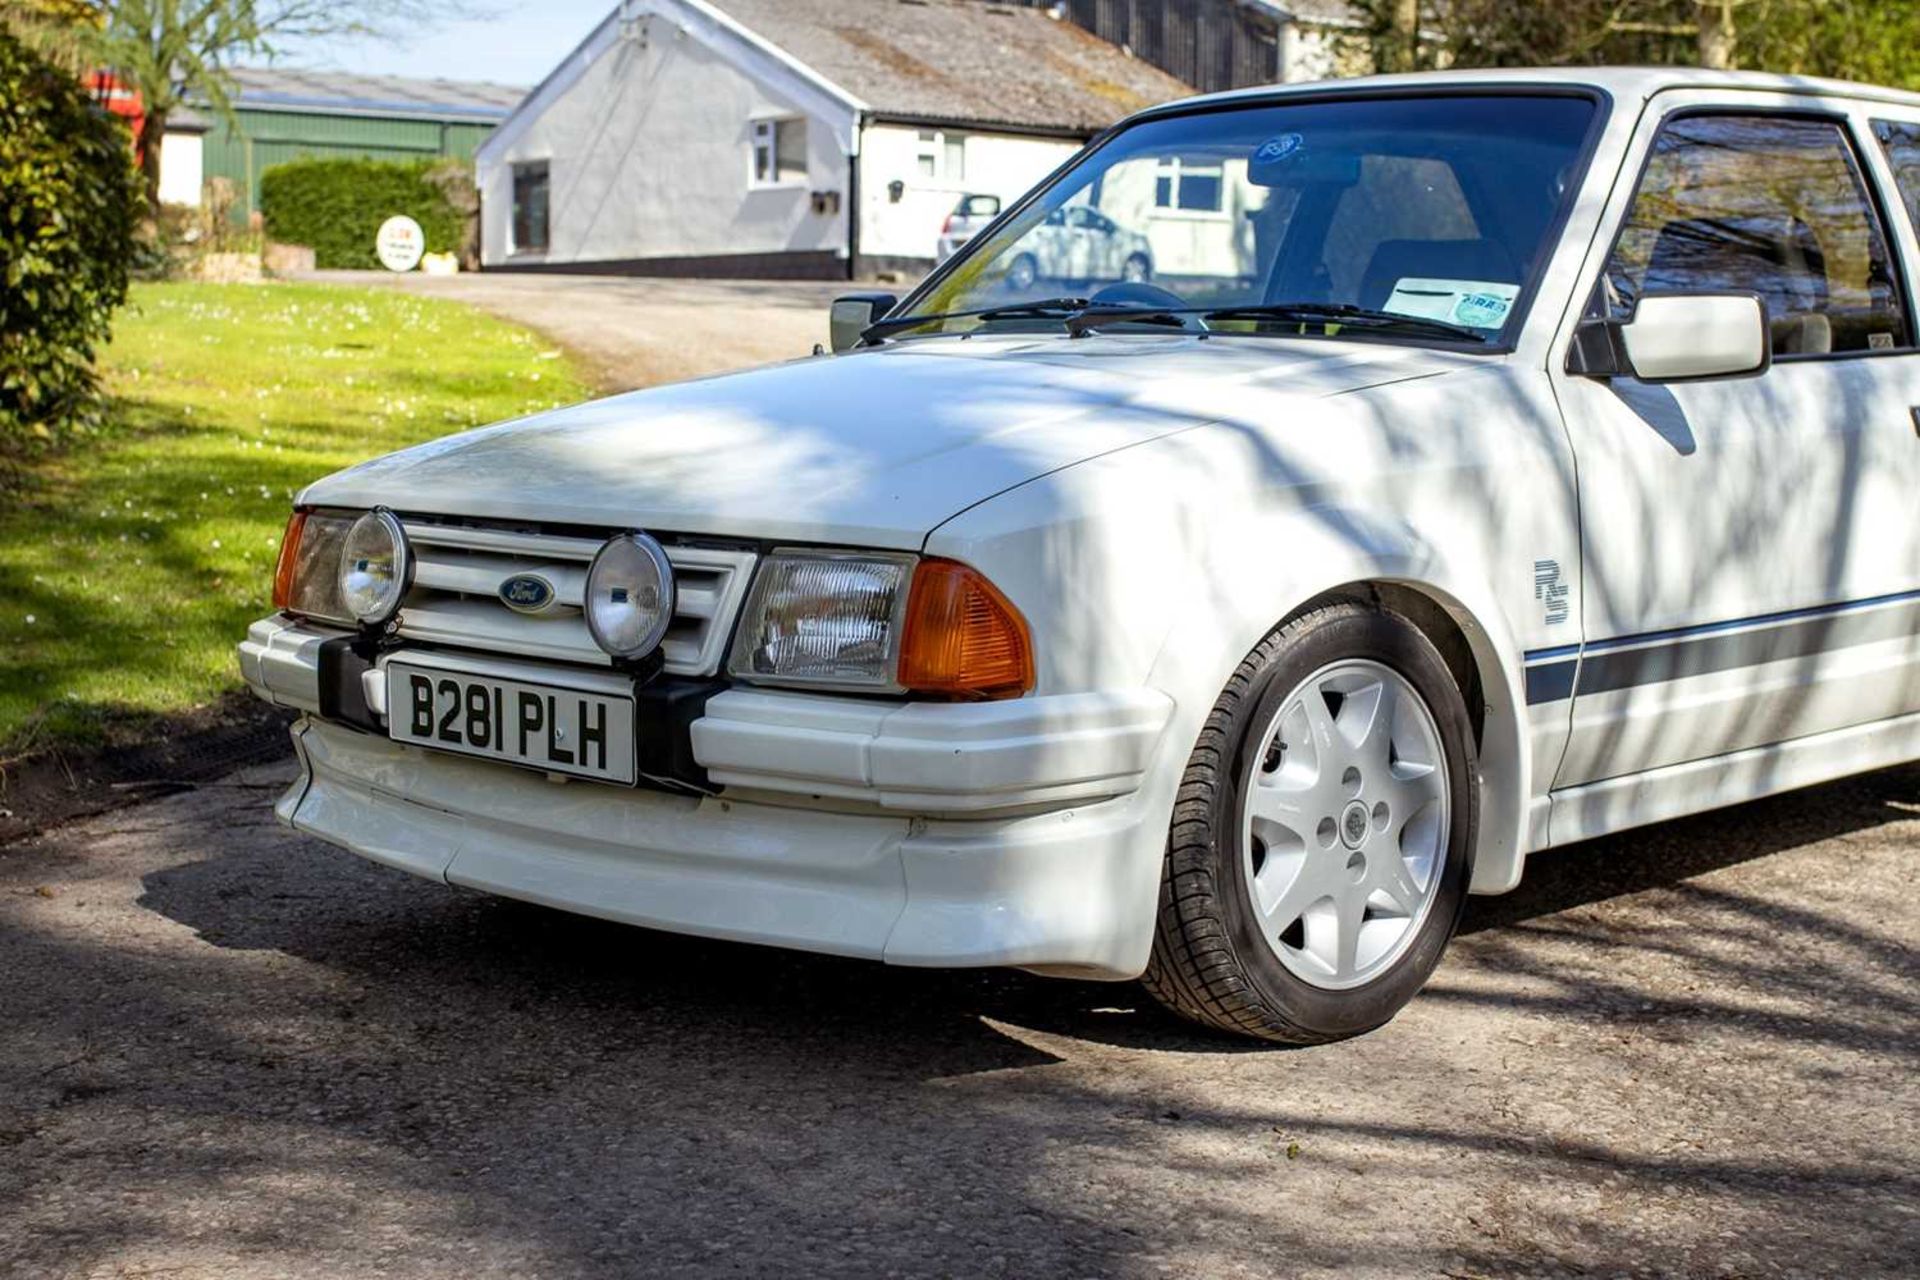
(375, 567)
(629, 599)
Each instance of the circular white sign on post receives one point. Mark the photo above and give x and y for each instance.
(400, 243)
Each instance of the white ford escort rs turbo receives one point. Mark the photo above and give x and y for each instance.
(1492, 461)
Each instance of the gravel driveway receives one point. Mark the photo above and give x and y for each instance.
(231, 1051)
(637, 332)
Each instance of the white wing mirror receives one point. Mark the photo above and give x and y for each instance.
(1678, 337)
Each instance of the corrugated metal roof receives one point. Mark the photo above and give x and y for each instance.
(961, 60)
(295, 89)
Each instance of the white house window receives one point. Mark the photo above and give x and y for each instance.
(779, 151)
(942, 156)
(1181, 185)
(530, 189)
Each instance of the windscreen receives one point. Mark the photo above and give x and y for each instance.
(1429, 207)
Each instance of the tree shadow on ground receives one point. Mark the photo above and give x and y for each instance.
(564, 1094)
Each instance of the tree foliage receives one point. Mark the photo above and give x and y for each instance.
(177, 51)
(1867, 40)
(67, 222)
(336, 206)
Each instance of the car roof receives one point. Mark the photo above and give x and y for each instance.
(1621, 83)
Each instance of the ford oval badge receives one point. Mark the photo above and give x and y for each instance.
(526, 593)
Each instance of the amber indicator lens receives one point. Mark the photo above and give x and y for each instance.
(962, 638)
(289, 557)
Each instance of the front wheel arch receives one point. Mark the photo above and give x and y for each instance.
(1461, 621)
(1215, 958)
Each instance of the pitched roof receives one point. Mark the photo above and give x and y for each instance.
(294, 89)
(967, 61)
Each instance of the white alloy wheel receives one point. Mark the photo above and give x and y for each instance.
(1345, 823)
(1322, 839)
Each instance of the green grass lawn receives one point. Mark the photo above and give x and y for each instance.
(131, 564)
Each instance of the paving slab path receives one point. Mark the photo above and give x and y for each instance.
(227, 1050)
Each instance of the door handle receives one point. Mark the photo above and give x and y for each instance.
(1916, 419)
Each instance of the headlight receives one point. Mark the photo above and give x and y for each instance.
(307, 579)
(824, 619)
(629, 601)
(881, 623)
(374, 567)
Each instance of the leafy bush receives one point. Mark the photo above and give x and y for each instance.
(72, 201)
(336, 207)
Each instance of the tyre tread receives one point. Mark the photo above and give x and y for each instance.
(1194, 969)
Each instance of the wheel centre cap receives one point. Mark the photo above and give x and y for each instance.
(1353, 825)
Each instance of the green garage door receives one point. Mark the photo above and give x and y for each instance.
(266, 138)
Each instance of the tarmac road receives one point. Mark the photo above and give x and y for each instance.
(230, 1051)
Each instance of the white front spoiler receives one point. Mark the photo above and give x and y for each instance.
(1015, 833)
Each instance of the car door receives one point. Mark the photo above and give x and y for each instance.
(1103, 236)
(1751, 566)
(1079, 244)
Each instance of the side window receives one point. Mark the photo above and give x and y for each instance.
(1901, 142)
(779, 152)
(1188, 184)
(1773, 205)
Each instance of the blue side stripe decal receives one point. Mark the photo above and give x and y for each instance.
(1564, 651)
(1550, 681)
(1711, 628)
(1651, 657)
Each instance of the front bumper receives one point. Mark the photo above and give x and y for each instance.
(1014, 833)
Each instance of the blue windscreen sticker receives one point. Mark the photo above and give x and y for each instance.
(1274, 150)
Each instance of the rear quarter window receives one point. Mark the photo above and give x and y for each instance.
(1901, 142)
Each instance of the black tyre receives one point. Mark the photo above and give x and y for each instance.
(1322, 839)
(1022, 273)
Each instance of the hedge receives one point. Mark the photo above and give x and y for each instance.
(336, 207)
(70, 203)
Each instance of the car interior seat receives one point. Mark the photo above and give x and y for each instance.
(1778, 258)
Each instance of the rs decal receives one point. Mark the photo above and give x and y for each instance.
(1548, 587)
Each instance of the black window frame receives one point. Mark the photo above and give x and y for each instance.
(528, 170)
(1910, 201)
(1596, 306)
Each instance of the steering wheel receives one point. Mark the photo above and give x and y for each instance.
(1138, 293)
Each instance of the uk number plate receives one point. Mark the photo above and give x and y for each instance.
(548, 727)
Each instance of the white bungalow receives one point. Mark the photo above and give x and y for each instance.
(790, 138)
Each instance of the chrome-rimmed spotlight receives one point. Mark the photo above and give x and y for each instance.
(630, 595)
(376, 567)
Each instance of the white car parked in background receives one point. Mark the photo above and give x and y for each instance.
(971, 214)
(1077, 243)
(1528, 455)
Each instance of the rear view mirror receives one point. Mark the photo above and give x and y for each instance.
(1288, 161)
(852, 314)
(1678, 337)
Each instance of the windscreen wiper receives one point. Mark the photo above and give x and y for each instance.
(1040, 309)
(1346, 315)
(1082, 316)
(1081, 323)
